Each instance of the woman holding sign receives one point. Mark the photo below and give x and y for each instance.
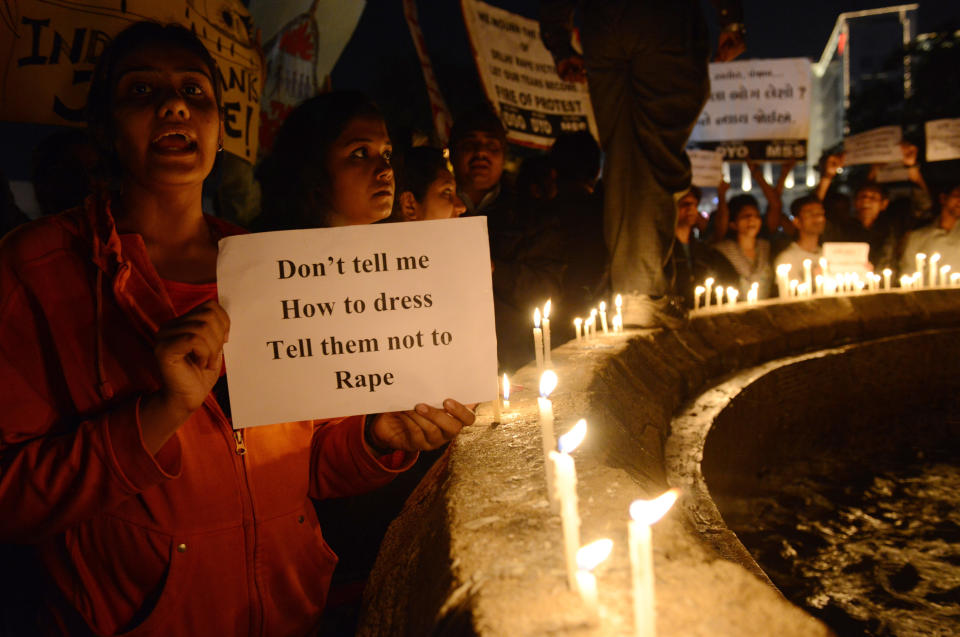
(118, 462)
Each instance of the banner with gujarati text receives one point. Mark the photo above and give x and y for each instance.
(48, 50)
(758, 109)
(520, 79)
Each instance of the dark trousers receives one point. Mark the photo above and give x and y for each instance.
(648, 76)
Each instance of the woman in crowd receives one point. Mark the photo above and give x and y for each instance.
(118, 462)
(747, 254)
(426, 189)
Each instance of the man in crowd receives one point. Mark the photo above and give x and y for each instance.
(694, 261)
(942, 236)
(810, 221)
(869, 226)
(646, 63)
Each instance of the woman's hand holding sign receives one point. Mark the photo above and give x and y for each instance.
(420, 429)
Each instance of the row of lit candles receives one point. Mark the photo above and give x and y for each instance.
(585, 329)
(561, 479)
(826, 284)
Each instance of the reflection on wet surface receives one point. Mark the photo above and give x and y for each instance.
(877, 553)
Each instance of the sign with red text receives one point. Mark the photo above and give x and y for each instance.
(520, 79)
(362, 319)
(758, 109)
(48, 51)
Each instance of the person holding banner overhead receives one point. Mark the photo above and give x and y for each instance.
(646, 65)
(118, 462)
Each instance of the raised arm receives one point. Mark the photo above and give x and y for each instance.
(556, 29)
(721, 220)
(831, 166)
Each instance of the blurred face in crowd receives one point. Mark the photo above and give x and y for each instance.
(439, 202)
(950, 204)
(478, 161)
(361, 178)
(687, 212)
(166, 122)
(748, 222)
(811, 219)
(869, 203)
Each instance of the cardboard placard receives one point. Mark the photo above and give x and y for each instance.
(847, 257)
(520, 79)
(758, 109)
(877, 146)
(707, 167)
(362, 319)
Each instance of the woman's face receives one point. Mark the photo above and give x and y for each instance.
(441, 200)
(361, 178)
(165, 116)
(748, 222)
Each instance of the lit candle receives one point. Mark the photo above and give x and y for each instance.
(732, 294)
(709, 286)
(944, 271)
(803, 290)
(808, 273)
(697, 293)
(783, 279)
(934, 269)
(920, 259)
(887, 273)
(593, 322)
(577, 324)
(905, 282)
(588, 558)
(548, 382)
(793, 287)
(818, 280)
(565, 492)
(645, 513)
(822, 262)
(603, 317)
(753, 294)
(506, 392)
(618, 301)
(718, 291)
(617, 323)
(955, 279)
(546, 335)
(497, 412)
(538, 340)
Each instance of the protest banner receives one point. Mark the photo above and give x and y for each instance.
(520, 79)
(758, 109)
(48, 51)
(440, 114)
(707, 167)
(943, 139)
(361, 319)
(892, 173)
(847, 257)
(877, 146)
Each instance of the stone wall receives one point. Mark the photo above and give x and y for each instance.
(478, 549)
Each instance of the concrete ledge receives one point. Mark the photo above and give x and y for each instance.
(477, 550)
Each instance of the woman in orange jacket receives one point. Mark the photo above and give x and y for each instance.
(118, 463)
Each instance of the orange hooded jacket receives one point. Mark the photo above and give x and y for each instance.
(197, 540)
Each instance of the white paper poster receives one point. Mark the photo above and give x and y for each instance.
(877, 146)
(520, 79)
(363, 319)
(943, 139)
(758, 109)
(847, 257)
(707, 167)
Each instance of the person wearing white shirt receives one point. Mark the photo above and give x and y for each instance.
(810, 220)
(942, 236)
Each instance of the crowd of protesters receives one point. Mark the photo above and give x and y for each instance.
(116, 445)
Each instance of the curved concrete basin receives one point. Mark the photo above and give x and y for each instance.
(478, 550)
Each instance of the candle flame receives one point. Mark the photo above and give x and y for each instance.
(546, 309)
(618, 301)
(506, 387)
(734, 292)
(955, 277)
(699, 290)
(603, 306)
(921, 256)
(578, 322)
(887, 272)
(709, 281)
(649, 511)
(823, 263)
(754, 286)
(593, 312)
(944, 269)
(934, 257)
(807, 263)
(548, 382)
(536, 317)
(783, 269)
(572, 439)
(591, 555)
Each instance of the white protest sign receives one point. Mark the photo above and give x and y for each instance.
(847, 257)
(877, 146)
(520, 79)
(758, 109)
(362, 319)
(892, 173)
(707, 167)
(943, 139)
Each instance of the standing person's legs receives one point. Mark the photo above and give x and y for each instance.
(648, 81)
